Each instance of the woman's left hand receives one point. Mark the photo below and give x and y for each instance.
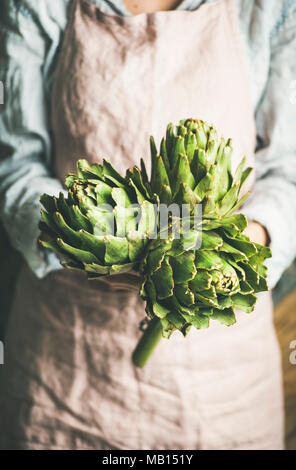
(257, 233)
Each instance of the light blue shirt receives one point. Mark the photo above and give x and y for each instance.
(30, 37)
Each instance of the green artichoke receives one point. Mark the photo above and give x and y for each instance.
(194, 167)
(208, 269)
(184, 286)
(104, 223)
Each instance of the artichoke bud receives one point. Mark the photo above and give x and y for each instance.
(170, 141)
(164, 155)
(224, 282)
(179, 148)
(212, 150)
(201, 138)
(190, 145)
(181, 130)
(193, 154)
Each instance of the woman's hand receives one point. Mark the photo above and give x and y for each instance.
(257, 233)
(130, 281)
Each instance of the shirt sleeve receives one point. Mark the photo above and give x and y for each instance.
(26, 53)
(272, 203)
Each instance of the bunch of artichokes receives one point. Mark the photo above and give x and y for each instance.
(194, 269)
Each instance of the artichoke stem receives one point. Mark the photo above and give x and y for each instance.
(148, 342)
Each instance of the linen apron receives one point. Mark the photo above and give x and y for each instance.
(68, 380)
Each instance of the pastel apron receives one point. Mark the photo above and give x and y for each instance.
(68, 380)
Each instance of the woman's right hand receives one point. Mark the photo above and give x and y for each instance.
(130, 281)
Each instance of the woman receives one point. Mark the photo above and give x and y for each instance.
(94, 78)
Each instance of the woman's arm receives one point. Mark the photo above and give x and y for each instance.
(273, 202)
(30, 33)
(27, 47)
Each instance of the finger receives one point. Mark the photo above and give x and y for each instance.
(124, 281)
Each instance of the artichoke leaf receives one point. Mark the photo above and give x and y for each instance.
(170, 142)
(96, 268)
(228, 201)
(116, 250)
(204, 187)
(246, 288)
(181, 173)
(54, 246)
(208, 260)
(78, 220)
(70, 235)
(48, 203)
(190, 145)
(186, 195)
(75, 265)
(226, 316)
(93, 244)
(121, 268)
(211, 241)
(48, 220)
(136, 176)
(70, 179)
(190, 240)
(78, 254)
(201, 281)
(159, 310)
(244, 302)
(239, 172)
(163, 280)
(155, 259)
(237, 255)
(126, 220)
(111, 174)
(121, 197)
(103, 221)
(176, 319)
(199, 320)
(135, 245)
(243, 246)
(164, 155)
(103, 193)
(159, 176)
(183, 294)
(149, 290)
(148, 218)
(183, 267)
(245, 175)
(224, 302)
(207, 301)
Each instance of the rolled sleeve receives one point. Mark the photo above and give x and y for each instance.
(25, 147)
(272, 202)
